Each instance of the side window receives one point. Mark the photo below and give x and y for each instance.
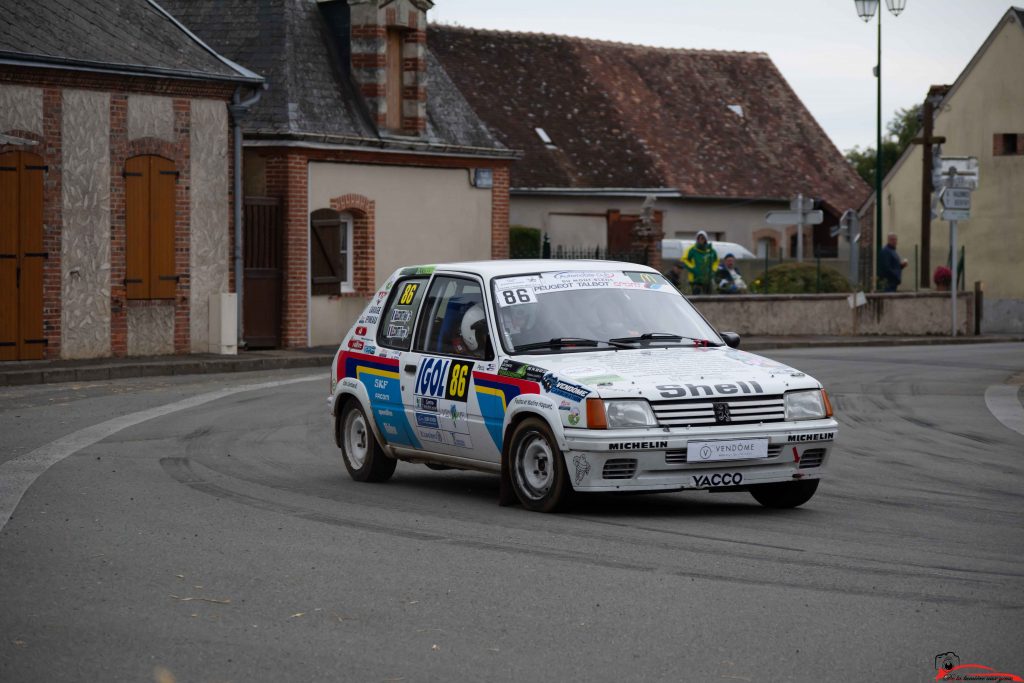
(453, 320)
(150, 189)
(395, 328)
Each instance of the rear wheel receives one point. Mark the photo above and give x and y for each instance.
(537, 467)
(787, 494)
(364, 459)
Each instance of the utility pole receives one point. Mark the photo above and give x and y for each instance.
(926, 140)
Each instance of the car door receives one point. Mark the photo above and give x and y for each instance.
(384, 379)
(452, 338)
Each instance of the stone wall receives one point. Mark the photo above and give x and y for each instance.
(831, 314)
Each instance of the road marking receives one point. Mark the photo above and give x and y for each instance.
(18, 474)
(1004, 405)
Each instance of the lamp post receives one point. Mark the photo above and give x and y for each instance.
(866, 10)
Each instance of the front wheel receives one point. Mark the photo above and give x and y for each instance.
(784, 495)
(537, 467)
(364, 459)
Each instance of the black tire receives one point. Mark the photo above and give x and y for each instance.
(785, 495)
(537, 467)
(364, 458)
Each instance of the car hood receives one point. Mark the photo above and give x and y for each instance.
(691, 372)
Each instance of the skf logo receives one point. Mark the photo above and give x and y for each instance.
(722, 415)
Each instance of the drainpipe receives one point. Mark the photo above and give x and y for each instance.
(238, 108)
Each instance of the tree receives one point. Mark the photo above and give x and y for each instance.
(900, 130)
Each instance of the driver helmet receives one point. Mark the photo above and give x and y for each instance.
(474, 328)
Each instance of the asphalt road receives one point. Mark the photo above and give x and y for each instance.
(225, 542)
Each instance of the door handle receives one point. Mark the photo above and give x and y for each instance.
(410, 368)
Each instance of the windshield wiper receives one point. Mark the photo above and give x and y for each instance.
(567, 342)
(663, 336)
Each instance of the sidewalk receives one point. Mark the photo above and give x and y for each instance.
(48, 372)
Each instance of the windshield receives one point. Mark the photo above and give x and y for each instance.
(551, 312)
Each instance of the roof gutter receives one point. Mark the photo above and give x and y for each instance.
(660, 192)
(83, 66)
(264, 138)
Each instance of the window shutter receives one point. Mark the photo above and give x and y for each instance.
(325, 252)
(136, 180)
(162, 268)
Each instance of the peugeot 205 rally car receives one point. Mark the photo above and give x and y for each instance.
(566, 376)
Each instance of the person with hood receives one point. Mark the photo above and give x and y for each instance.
(701, 263)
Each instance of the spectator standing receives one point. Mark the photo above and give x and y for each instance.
(728, 278)
(890, 269)
(701, 262)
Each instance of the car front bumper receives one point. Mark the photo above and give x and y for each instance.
(658, 460)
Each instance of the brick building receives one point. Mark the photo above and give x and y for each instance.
(115, 169)
(361, 157)
(719, 138)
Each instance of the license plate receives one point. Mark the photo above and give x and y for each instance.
(731, 449)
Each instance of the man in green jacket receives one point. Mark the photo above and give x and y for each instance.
(701, 262)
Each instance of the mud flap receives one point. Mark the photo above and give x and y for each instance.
(506, 496)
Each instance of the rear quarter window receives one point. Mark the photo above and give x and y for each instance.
(395, 329)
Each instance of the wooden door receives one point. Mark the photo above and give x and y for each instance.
(263, 251)
(22, 256)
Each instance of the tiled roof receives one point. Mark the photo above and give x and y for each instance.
(708, 123)
(309, 96)
(123, 36)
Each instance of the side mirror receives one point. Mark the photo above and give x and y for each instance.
(731, 339)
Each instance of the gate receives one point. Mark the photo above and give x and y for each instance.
(263, 257)
(21, 256)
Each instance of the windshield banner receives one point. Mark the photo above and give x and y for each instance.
(525, 289)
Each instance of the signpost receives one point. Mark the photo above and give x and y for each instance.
(849, 227)
(955, 179)
(801, 212)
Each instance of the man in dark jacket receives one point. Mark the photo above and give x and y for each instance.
(890, 270)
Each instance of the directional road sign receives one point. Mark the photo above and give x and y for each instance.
(956, 214)
(794, 217)
(953, 198)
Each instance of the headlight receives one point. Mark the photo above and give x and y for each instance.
(630, 413)
(805, 405)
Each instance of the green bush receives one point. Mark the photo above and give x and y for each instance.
(523, 242)
(800, 278)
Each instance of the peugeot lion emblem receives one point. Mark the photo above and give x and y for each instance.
(722, 413)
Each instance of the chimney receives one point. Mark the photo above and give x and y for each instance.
(389, 62)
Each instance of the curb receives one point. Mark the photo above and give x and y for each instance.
(207, 366)
(96, 373)
(758, 345)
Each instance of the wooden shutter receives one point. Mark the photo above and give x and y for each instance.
(162, 270)
(325, 251)
(149, 223)
(136, 173)
(33, 257)
(22, 256)
(9, 256)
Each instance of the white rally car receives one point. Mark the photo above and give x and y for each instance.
(567, 376)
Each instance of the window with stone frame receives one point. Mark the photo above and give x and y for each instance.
(1007, 144)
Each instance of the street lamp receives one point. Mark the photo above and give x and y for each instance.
(866, 9)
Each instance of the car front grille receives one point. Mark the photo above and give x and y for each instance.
(700, 412)
(677, 456)
(619, 468)
(812, 457)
